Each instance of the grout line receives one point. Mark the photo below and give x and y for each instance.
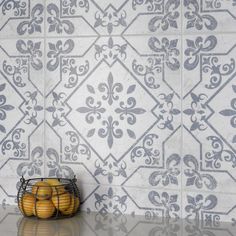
(44, 100)
(130, 35)
(181, 108)
(118, 35)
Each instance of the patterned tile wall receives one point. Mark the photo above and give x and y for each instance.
(21, 94)
(135, 97)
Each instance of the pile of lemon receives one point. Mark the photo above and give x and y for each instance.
(47, 197)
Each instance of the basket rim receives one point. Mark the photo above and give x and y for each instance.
(28, 181)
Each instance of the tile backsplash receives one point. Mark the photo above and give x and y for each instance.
(137, 98)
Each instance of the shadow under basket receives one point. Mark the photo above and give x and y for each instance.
(48, 198)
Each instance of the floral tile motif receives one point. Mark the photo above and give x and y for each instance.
(208, 208)
(72, 160)
(22, 112)
(154, 17)
(209, 15)
(155, 162)
(154, 204)
(109, 108)
(117, 201)
(112, 112)
(126, 95)
(61, 19)
(70, 71)
(112, 18)
(22, 18)
(208, 113)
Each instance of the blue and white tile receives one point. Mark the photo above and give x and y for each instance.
(66, 155)
(22, 61)
(21, 136)
(118, 17)
(87, 79)
(153, 17)
(62, 20)
(153, 203)
(156, 60)
(209, 155)
(155, 161)
(209, 16)
(66, 65)
(23, 18)
(209, 207)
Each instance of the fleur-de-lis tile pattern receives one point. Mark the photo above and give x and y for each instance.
(137, 98)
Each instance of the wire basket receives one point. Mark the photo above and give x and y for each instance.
(46, 198)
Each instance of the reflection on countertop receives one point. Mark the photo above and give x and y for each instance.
(90, 224)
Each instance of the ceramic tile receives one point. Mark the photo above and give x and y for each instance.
(23, 18)
(21, 128)
(209, 16)
(112, 112)
(134, 97)
(209, 208)
(208, 113)
(113, 18)
(155, 204)
(68, 19)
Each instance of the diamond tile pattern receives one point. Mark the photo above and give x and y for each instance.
(136, 98)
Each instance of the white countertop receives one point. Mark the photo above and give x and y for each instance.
(12, 223)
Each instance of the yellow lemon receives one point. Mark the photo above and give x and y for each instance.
(44, 209)
(42, 190)
(62, 201)
(26, 204)
(74, 204)
(57, 187)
